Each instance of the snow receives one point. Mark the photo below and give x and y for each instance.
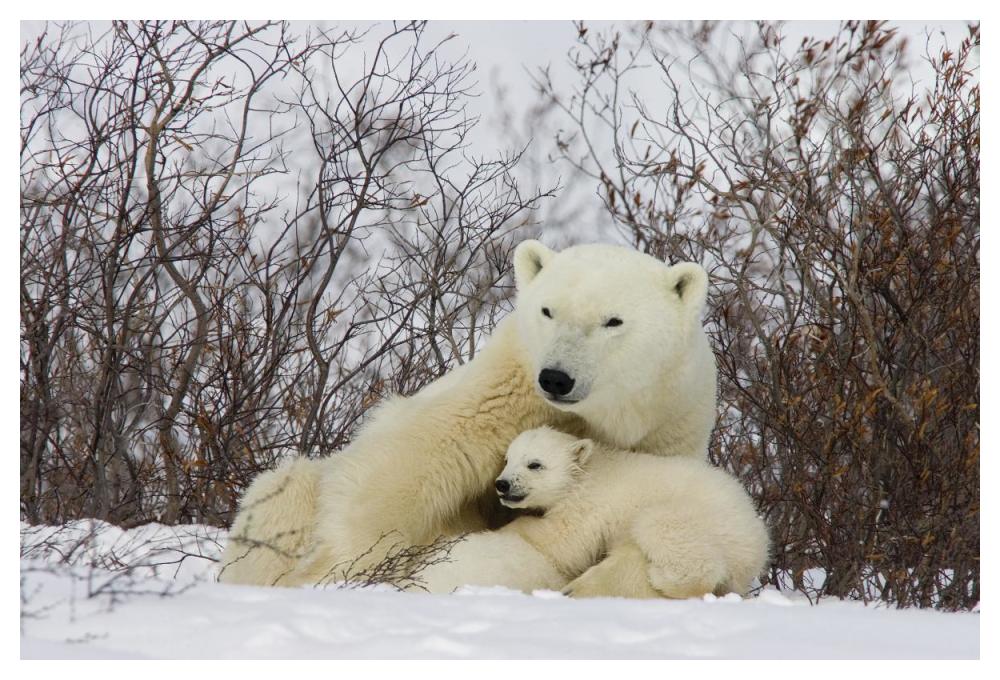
(90, 590)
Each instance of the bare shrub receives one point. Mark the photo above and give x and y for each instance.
(197, 300)
(401, 568)
(836, 206)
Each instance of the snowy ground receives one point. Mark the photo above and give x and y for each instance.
(79, 601)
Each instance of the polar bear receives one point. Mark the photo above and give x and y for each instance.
(604, 342)
(273, 529)
(657, 518)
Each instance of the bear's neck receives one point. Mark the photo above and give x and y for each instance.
(673, 416)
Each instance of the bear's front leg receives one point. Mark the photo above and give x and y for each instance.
(374, 503)
(623, 573)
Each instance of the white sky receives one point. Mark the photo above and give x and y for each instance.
(506, 52)
(505, 49)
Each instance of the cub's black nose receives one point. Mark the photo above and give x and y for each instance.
(555, 382)
(503, 486)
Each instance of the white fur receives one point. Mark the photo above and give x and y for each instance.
(423, 466)
(274, 527)
(536, 474)
(669, 526)
(492, 559)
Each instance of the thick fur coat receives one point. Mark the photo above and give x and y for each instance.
(423, 466)
(670, 526)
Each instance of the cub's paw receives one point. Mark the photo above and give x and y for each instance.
(592, 583)
(693, 582)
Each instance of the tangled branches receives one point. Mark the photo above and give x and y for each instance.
(837, 209)
(196, 300)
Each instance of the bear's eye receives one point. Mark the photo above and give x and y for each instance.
(612, 322)
(546, 312)
(534, 465)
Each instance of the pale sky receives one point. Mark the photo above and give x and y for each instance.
(507, 48)
(506, 51)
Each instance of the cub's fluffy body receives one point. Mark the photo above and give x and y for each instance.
(670, 526)
(422, 465)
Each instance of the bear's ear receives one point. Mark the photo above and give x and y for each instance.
(582, 449)
(689, 282)
(529, 258)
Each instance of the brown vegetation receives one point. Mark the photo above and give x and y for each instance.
(837, 210)
(195, 298)
(198, 300)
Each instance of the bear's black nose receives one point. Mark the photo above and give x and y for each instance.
(503, 486)
(555, 382)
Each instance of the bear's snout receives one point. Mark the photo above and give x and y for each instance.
(555, 382)
(503, 486)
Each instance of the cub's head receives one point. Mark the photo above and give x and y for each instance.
(599, 322)
(542, 466)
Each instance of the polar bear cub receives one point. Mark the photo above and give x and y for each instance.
(668, 526)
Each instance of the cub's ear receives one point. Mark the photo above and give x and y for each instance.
(581, 450)
(529, 258)
(689, 282)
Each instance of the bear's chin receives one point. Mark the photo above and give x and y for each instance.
(561, 404)
(523, 509)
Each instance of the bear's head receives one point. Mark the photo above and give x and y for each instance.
(598, 322)
(542, 467)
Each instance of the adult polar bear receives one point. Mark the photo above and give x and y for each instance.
(604, 342)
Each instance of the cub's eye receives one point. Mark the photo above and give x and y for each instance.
(546, 312)
(612, 322)
(534, 465)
